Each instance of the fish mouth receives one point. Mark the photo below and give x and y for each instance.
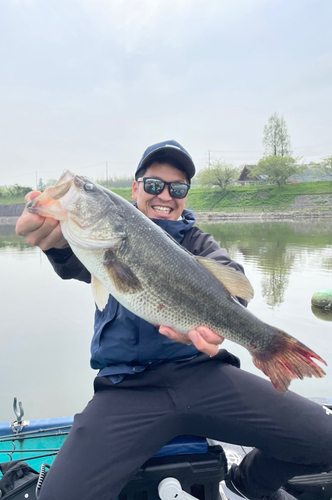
(44, 206)
(50, 202)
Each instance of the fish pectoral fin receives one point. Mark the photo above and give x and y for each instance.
(236, 283)
(100, 293)
(122, 277)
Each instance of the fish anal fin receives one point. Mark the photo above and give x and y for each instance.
(234, 281)
(100, 294)
(122, 277)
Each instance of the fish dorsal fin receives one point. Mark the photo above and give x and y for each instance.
(176, 243)
(236, 283)
(100, 294)
(122, 277)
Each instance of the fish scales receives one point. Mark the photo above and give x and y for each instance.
(146, 271)
(175, 292)
(178, 289)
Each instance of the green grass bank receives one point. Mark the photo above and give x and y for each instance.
(301, 196)
(298, 197)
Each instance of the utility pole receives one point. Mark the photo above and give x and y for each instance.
(209, 157)
(106, 175)
(36, 181)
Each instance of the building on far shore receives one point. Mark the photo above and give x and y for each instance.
(245, 178)
(312, 173)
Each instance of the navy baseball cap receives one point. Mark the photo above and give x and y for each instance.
(170, 149)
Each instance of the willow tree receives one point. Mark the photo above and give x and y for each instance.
(276, 140)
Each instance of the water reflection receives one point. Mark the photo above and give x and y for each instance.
(9, 239)
(47, 323)
(46, 328)
(277, 249)
(324, 314)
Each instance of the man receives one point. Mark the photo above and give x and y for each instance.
(151, 388)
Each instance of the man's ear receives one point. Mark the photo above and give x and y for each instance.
(134, 189)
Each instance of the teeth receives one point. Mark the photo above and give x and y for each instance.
(162, 209)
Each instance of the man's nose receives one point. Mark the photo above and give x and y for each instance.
(164, 195)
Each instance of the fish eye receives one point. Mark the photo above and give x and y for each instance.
(88, 186)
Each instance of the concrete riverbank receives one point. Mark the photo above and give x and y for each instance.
(10, 213)
(219, 217)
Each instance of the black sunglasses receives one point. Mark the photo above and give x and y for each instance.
(157, 186)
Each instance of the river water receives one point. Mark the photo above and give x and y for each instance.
(46, 323)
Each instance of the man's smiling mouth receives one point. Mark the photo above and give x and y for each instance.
(164, 210)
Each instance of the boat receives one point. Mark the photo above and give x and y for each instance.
(186, 468)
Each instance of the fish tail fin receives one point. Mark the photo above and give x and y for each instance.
(290, 359)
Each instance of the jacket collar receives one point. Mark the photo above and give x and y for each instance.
(177, 228)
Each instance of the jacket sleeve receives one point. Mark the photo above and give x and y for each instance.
(204, 245)
(66, 264)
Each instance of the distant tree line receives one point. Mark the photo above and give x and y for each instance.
(15, 190)
(326, 165)
(117, 182)
(111, 182)
(276, 165)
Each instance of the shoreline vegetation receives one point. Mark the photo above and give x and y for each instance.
(219, 217)
(252, 202)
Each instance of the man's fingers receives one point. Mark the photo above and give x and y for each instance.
(44, 232)
(209, 335)
(204, 339)
(35, 228)
(174, 335)
(28, 222)
(201, 344)
(167, 331)
(49, 235)
(31, 196)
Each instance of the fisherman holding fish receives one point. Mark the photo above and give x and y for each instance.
(151, 388)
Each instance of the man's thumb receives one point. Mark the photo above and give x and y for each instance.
(31, 196)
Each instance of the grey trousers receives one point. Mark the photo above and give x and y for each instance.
(125, 424)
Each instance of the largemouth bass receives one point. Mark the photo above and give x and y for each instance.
(133, 259)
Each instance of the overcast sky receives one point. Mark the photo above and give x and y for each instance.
(85, 82)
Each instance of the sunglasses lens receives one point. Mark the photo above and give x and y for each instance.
(156, 186)
(178, 190)
(153, 186)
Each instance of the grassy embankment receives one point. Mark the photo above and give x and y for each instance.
(254, 198)
(11, 200)
(243, 198)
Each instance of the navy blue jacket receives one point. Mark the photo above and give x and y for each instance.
(122, 342)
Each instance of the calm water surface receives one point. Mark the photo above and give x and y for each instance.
(46, 323)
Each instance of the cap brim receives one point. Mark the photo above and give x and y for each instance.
(171, 151)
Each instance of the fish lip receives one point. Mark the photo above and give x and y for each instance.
(29, 206)
(32, 210)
